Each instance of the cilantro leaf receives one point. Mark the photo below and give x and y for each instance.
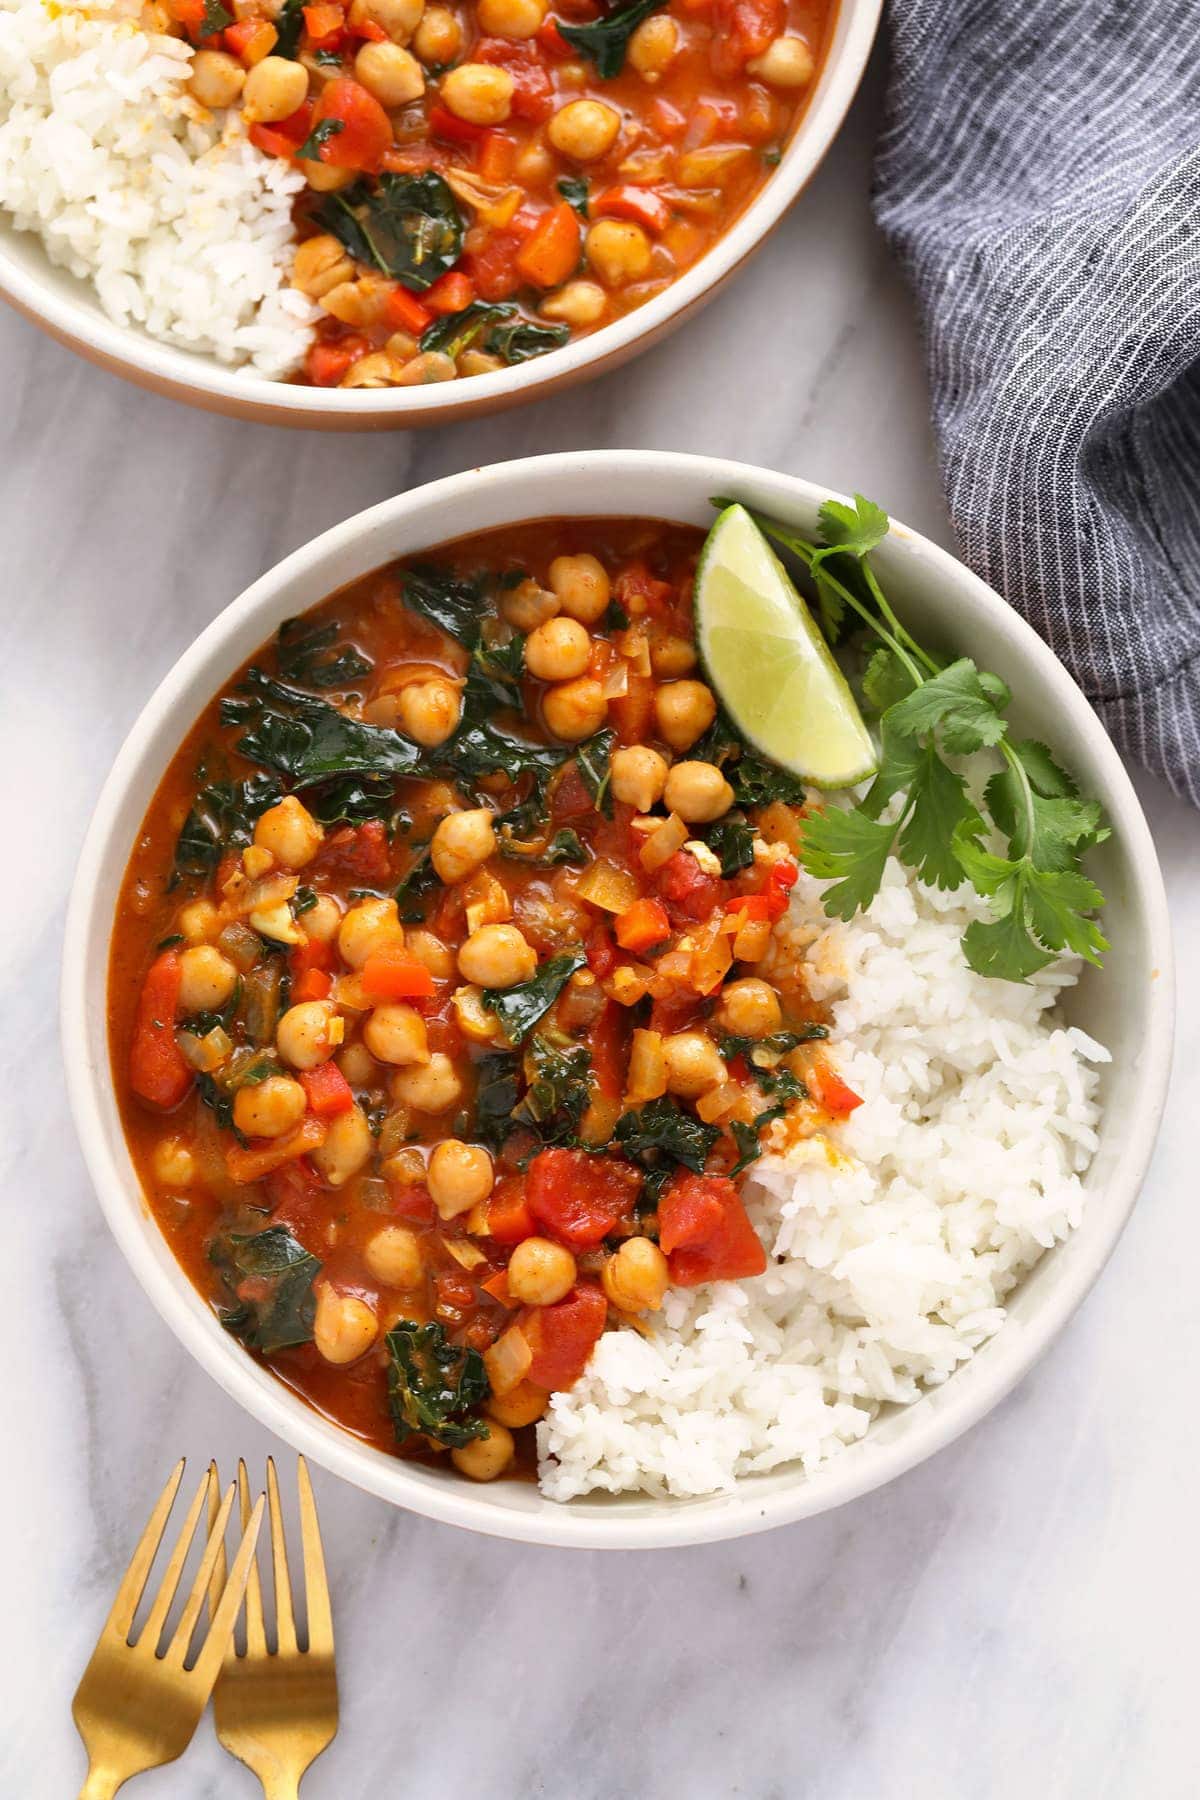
(856, 529)
(885, 679)
(851, 849)
(939, 804)
(956, 705)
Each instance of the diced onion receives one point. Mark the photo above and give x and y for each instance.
(507, 1361)
(616, 681)
(241, 946)
(707, 167)
(466, 1254)
(647, 1067)
(719, 1101)
(205, 1053)
(662, 844)
(753, 940)
(604, 885)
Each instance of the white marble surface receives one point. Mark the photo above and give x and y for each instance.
(1015, 1619)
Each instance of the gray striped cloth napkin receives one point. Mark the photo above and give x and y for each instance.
(1039, 179)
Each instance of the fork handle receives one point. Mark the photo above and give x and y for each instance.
(101, 1784)
(283, 1786)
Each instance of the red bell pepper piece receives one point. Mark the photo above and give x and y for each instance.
(829, 1090)
(626, 201)
(328, 1091)
(391, 975)
(327, 362)
(314, 984)
(404, 312)
(447, 125)
(642, 924)
(450, 293)
(158, 1072)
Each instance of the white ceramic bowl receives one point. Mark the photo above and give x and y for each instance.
(1129, 1007)
(68, 309)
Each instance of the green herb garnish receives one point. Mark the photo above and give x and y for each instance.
(605, 41)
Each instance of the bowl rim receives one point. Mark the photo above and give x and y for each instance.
(673, 1523)
(199, 378)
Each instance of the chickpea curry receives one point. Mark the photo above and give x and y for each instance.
(448, 1005)
(487, 181)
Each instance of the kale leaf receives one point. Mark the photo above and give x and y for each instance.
(519, 340)
(731, 839)
(455, 332)
(453, 602)
(498, 1087)
(432, 1384)
(559, 1090)
(419, 879)
(300, 652)
(594, 758)
(322, 131)
(661, 1129)
(604, 41)
(221, 818)
(497, 328)
(407, 226)
(574, 190)
(277, 1308)
(352, 800)
(289, 24)
(519, 1008)
(308, 740)
(563, 847)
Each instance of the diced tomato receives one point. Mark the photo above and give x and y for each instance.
(602, 957)
(327, 362)
(630, 713)
(497, 1286)
(667, 118)
(410, 1200)
(533, 90)
(780, 882)
(579, 1198)
(454, 1292)
(571, 799)
(250, 40)
(742, 29)
(641, 205)
(606, 1041)
(362, 850)
(829, 1090)
(552, 249)
(445, 124)
(158, 1073)
(642, 924)
(450, 293)
(402, 311)
(314, 984)
(328, 1091)
(312, 954)
(705, 1232)
(363, 27)
(749, 906)
(260, 1158)
(686, 888)
(285, 136)
(366, 130)
(391, 975)
(509, 1219)
(297, 1199)
(497, 153)
(493, 267)
(552, 41)
(562, 1337)
(639, 592)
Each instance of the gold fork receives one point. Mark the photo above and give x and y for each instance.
(135, 1709)
(277, 1710)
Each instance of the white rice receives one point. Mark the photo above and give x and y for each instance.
(179, 223)
(896, 1238)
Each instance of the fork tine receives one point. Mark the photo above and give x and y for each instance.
(157, 1616)
(256, 1636)
(208, 1663)
(178, 1647)
(285, 1624)
(316, 1585)
(120, 1619)
(216, 1586)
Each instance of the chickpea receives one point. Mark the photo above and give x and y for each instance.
(344, 1327)
(671, 657)
(323, 178)
(497, 956)
(684, 711)
(429, 366)
(393, 1256)
(749, 1008)
(429, 711)
(639, 776)
(322, 920)
(199, 921)
(511, 18)
(308, 1033)
(174, 1164)
(527, 605)
(786, 63)
(462, 843)
(637, 1277)
(271, 1108)
(217, 79)
(579, 303)
(320, 263)
(540, 1272)
(393, 75)
(275, 88)
(653, 46)
(431, 953)
(575, 709)
(289, 830)
(693, 1064)
(357, 1065)
(438, 38)
(348, 1144)
(584, 130)
(459, 1177)
(480, 93)
(396, 1034)
(360, 302)
(367, 929)
(525, 1405)
(376, 370)
(432, 1087)
(479, 362)
(206, 979)
(582, 586)
(534, 164)
(557, 650)
(698, 792)
(484, 1458)
(398, 18)
(618, 250)
(472, 1016)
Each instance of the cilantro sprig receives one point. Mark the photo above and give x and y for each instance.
(918, 807)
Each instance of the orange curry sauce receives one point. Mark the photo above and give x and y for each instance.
(296, 1053)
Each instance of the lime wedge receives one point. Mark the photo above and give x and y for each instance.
(768, 662)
